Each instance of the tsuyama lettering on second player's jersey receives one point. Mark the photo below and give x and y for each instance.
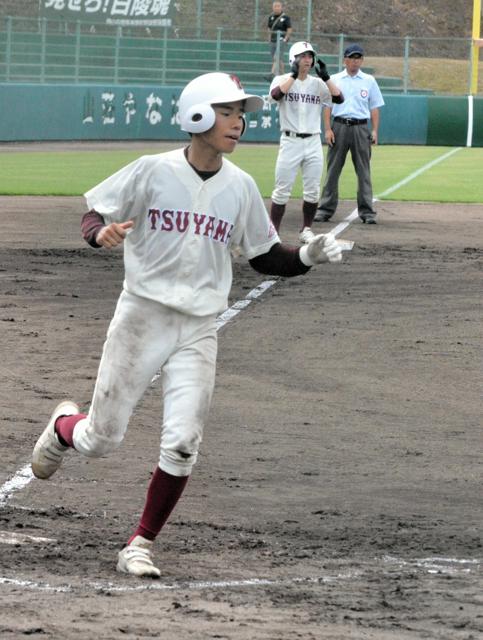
(300, 111)
(302, 97)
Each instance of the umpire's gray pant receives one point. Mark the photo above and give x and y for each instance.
(357, 139)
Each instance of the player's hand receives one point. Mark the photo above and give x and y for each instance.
(321, 70)
(294, 69)
(329, 137)
(323, 248)
(113, 234)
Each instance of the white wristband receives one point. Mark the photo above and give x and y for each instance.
(304, 256)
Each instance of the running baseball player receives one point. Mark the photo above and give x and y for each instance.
(178, 214)
(301, 98)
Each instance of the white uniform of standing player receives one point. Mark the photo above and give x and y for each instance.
(301, 98)
(178, 214)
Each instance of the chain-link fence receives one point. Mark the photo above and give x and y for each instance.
(40, 50)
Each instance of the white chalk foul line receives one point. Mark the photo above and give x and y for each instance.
(24, 476)
(431, 566)
(16, 483)
(437, 564)
(234, 310)
(417, 173)
(175, 586)
(354, 215)
(14, 538)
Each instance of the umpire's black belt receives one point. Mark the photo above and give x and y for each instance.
(350, 122)
(299, 135)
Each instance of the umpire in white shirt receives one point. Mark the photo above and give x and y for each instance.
(350, 130)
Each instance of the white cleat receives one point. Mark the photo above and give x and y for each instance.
(306, 235)
(136, 559)
(48, 452)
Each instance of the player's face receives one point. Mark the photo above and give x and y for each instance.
(353, 64)
(305, 61)
(228, 127)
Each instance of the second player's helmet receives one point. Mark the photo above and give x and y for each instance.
(300, 47)
(196, 114)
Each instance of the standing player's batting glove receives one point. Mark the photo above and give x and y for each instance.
(294, 69)
(321, 70)
(322, 248)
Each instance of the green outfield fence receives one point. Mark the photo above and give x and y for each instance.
(37, 50)
(150, 112)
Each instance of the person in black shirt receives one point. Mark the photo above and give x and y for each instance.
(279, 28)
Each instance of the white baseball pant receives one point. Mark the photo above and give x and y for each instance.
(294, 154)
(143, 336)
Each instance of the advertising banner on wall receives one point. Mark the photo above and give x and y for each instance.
(157, 13)
(97, 112)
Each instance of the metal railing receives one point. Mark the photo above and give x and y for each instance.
(47, 51)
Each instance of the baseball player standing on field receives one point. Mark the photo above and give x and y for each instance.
(178, 214)
(301, 98)
(350, 131)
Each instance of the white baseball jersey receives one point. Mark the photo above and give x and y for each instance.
(178, 251)
(301, 108)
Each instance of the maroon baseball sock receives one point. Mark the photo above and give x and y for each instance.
(276, 214)
(309, 210)
(64, 428)
(164, 491)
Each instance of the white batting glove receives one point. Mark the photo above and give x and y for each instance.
(322, 248)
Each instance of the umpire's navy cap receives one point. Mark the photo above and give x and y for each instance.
(352, 50)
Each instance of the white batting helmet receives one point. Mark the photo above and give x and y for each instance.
(300, 47)
(196, 114)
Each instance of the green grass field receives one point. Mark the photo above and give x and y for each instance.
(455, 179)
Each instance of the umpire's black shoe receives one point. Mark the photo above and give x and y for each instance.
(369, 220)
(323, 216)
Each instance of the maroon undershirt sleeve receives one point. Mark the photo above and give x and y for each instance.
(92, 223)
(281, 260)
(277, 93)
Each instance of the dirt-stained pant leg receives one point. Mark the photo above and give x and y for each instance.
(188, 382)
(142, 336)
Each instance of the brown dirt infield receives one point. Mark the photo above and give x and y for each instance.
(341, 466)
